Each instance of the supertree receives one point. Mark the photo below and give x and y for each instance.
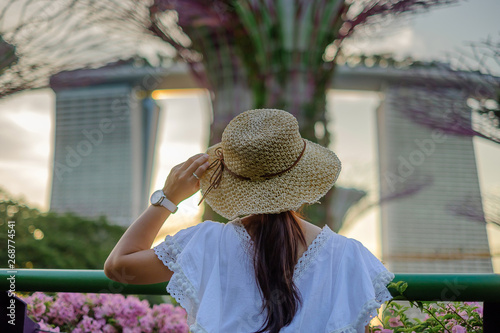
(273, 54)
(268, 53)
(247, 53)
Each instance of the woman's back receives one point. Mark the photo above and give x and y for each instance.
(311, 231)
(341, 283)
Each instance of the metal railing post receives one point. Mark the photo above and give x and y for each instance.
(491, 317)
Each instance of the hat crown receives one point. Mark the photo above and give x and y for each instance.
(261, 142)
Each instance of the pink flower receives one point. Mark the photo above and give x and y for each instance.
(46, 327)
(478, 307)
(111, 313)
(147, 323)
(451, 323)
(88, 324)
(38, 309)
(110, 306)
(463, 314)
(40, 297)
(480, 311)
(37, 303)
(109, 329)
(61, 313)
(395, 322)
(451, 307)
(458, 329)
(95, 298)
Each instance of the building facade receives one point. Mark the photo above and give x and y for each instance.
(105, 137)
(432, 217)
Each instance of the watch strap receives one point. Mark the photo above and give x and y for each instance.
(169, 205)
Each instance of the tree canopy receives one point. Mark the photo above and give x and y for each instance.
(50, 240)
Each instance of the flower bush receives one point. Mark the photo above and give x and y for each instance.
(115, 313)
(108, 313)
(449, 317)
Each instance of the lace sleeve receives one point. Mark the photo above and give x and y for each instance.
(364, 281)
(183, 253)
(179, 286)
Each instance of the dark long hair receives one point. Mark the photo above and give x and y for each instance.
(276, 238)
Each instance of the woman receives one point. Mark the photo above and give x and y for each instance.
(270, 271)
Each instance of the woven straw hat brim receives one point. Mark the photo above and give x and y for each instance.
(308, 181)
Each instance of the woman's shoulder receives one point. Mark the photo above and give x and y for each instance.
(311, 233)
(310, 228)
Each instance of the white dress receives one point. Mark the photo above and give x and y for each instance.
(342, 283)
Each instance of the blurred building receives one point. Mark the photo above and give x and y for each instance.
(105, 134)
(431, 210)
(432, 217)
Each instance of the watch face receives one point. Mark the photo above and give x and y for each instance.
(156, 197)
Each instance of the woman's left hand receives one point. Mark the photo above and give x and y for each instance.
(181, 182)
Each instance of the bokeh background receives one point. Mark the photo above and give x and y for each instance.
(27, 123)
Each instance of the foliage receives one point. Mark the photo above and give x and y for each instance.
(270, 54)
(460, 97)
(281, 52)
(49, 37)
(50, 240)
(108, 313)
(451, 317)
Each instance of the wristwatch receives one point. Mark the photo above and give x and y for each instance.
(158, 198)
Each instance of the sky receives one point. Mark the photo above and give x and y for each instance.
(26, 120)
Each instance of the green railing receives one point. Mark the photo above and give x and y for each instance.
(421, 287)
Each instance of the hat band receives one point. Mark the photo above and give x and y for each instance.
(220, 166)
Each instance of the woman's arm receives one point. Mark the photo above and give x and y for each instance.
(132, 260)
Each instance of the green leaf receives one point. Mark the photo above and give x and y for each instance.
(420, 305)
(402, 287)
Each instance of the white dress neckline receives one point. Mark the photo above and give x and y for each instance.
(305, 259)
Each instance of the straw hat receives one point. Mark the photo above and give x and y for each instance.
(263, 165)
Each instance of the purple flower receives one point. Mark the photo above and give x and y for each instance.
(37, 297)
(61, 313)
(89, 325)
(38, 309)
(110, 306)
(451, 323)
(478, 307)
(109, 329)
(110, 314)
(480, 311)
(395, 322)
(147, 323)
(46, 327)
(463, 314)
(458, 329)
